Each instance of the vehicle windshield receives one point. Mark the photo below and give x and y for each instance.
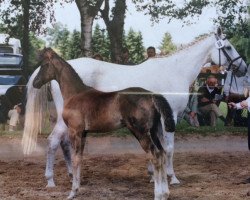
(9, 80)
(10, 60)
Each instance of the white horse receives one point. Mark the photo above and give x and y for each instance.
(171, 76)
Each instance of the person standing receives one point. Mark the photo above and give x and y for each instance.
(15, 97)
(234, 92)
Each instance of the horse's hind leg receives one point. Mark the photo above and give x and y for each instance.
(54, 140)
(66, 148)
(169, 148)
(168, 145)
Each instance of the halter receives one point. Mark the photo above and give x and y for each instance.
(221, 47)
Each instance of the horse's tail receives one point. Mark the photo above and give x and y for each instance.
(36, 102)
(166, 112)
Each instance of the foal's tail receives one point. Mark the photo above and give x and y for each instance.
(36, 102)
(166, 112)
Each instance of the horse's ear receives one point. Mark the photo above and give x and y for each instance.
(219, 31)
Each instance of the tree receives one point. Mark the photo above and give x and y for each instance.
(167, 46)
(36, 44)
(134, 42)
(114, 21)
(101, 42)
(21, 17)
(74, 45)
(88, 11)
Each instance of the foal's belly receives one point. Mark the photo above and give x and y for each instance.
(103, 125)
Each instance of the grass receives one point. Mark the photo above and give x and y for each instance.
(182, 128)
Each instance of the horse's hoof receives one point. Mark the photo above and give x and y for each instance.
(50, 184)
(174, 181)
(71, 195)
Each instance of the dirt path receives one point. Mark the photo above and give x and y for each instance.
(210, 168)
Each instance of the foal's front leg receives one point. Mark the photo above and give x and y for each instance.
(77, 141)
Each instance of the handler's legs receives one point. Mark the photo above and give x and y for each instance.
(14, 119)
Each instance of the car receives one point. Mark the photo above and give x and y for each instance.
(11, 62)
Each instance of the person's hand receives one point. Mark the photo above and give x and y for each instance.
(232, 105)
(192, 114)
(18, 108)
(244, 104)
(204, 99)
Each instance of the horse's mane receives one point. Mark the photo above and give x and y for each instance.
(184, 47)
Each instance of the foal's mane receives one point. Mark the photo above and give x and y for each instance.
(54, 55)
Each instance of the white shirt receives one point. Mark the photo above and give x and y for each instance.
(238, 106)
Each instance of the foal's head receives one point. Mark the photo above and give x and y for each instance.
(47, 70)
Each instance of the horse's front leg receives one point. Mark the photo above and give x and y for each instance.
(78, 141)
(53, 144)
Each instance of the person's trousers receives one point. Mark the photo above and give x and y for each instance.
(213, 111)
(14, 117)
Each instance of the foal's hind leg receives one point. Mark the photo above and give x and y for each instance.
(55, 138)
(161, 190)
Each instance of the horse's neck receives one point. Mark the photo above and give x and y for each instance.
(193, 58)
(70, 83)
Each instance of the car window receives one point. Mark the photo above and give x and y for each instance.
(9, 80)
(6, 50)
(10, 60)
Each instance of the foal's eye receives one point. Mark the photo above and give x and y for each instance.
(228, 47)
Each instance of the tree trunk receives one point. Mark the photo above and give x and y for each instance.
(25, 41)
(88, 13)
(115, 27)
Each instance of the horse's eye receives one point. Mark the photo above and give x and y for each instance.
(228, 47)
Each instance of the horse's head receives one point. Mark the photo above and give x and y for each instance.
(47, 68)
(224, 54)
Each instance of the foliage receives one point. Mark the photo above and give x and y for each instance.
(11, 13)
(167, 45)
(229, 11)
(67, 43)
(134, 42)
(240, 39)
(101, 43)
(36, 44)
(74, 45)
